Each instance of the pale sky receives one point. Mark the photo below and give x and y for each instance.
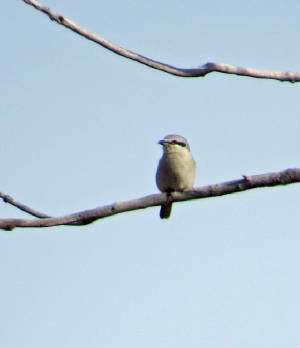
(79, 129)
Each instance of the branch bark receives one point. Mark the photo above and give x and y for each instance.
(285, 177)
(194, 72)
(23, 207)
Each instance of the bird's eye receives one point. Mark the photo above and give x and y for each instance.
(181, 144)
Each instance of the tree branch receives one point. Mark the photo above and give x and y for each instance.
(23, 207)
(194, 72)
(285, 177)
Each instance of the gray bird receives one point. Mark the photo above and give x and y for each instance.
(176, 169)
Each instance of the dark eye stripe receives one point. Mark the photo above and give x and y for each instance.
(179, 143)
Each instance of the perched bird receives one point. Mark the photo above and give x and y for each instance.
(176, 169)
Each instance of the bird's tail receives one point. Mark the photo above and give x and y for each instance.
(165, 211)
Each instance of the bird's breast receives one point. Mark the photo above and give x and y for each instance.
(176, 172)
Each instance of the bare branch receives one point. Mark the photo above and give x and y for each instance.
(21, 206)
(285, 177)
(194, 72)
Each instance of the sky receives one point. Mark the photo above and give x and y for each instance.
(79, 129)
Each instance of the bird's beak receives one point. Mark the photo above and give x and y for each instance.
(162, 142)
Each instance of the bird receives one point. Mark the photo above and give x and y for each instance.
(176, 169)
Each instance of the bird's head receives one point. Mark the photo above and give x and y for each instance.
(174, 143)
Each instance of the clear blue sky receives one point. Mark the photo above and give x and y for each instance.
(79, 129)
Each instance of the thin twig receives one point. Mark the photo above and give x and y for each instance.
(248, 182)
(200, 71)
(23, 207)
